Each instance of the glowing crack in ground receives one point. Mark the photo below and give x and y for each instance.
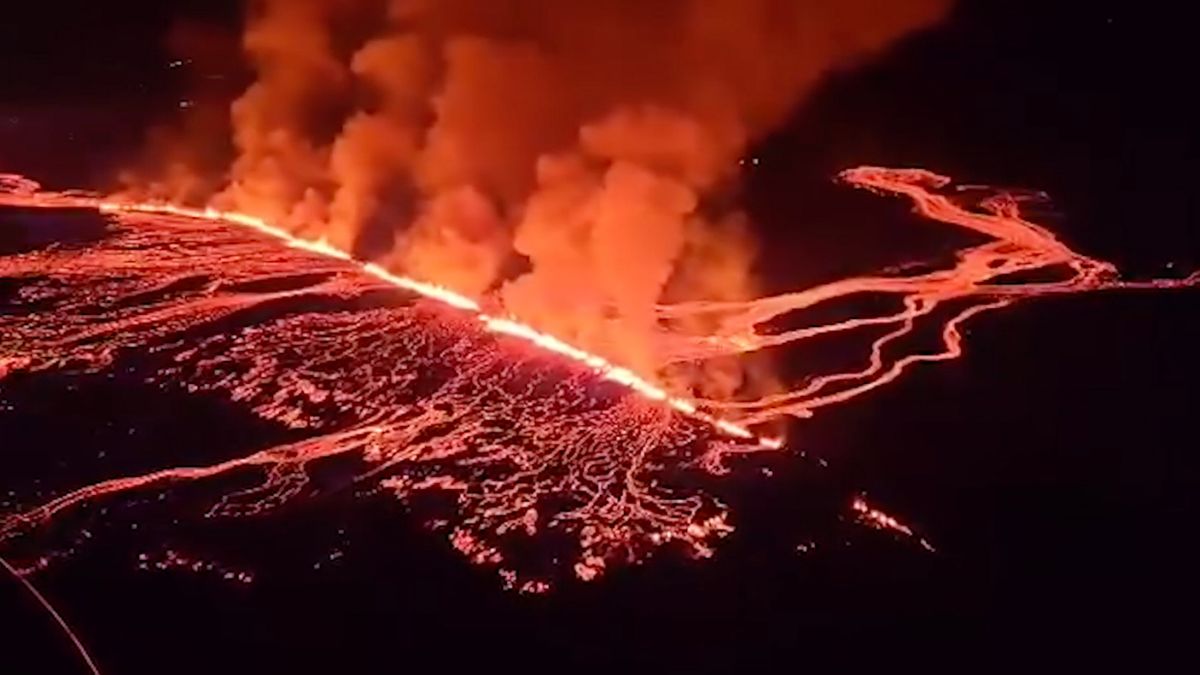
(533, 439)
(528, 444)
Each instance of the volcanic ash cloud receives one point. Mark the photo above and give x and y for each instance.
(565, 158)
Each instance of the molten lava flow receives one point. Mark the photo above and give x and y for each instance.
(531, 437)
(507, 326)
(879, 520)
(984, 278)
(425, 399)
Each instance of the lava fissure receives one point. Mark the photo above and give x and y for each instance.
(528, 436)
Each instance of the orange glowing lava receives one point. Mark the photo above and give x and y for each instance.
(530, 437)
(879, 520)
(981, 278)
(505, 325)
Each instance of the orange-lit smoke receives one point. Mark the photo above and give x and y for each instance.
(555, 155)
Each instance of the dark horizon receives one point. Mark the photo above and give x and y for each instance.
(1052, 467)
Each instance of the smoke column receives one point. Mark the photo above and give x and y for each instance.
(520, 428)
(548, 177)
(563, 159)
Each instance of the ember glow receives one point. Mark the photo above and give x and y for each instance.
(443, 397)
(506, 326)
(879, 520)
(984, 278)
(529, 437)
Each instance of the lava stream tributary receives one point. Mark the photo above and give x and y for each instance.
(532, 438)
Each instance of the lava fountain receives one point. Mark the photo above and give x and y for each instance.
(531, 438)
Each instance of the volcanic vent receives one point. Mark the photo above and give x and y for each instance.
(417, 397)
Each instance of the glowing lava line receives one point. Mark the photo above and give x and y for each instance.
(521, 441)
(880, 520)
(982, 278)
(509, 450)
(506, 326)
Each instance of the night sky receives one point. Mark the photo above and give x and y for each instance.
(1090, 105)
(1055, 466)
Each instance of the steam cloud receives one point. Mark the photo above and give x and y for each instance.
(560, 156)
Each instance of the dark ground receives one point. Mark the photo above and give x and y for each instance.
(1054, 467)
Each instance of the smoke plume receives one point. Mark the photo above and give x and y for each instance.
(562, 158)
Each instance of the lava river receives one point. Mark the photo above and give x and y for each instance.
(525, 444)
